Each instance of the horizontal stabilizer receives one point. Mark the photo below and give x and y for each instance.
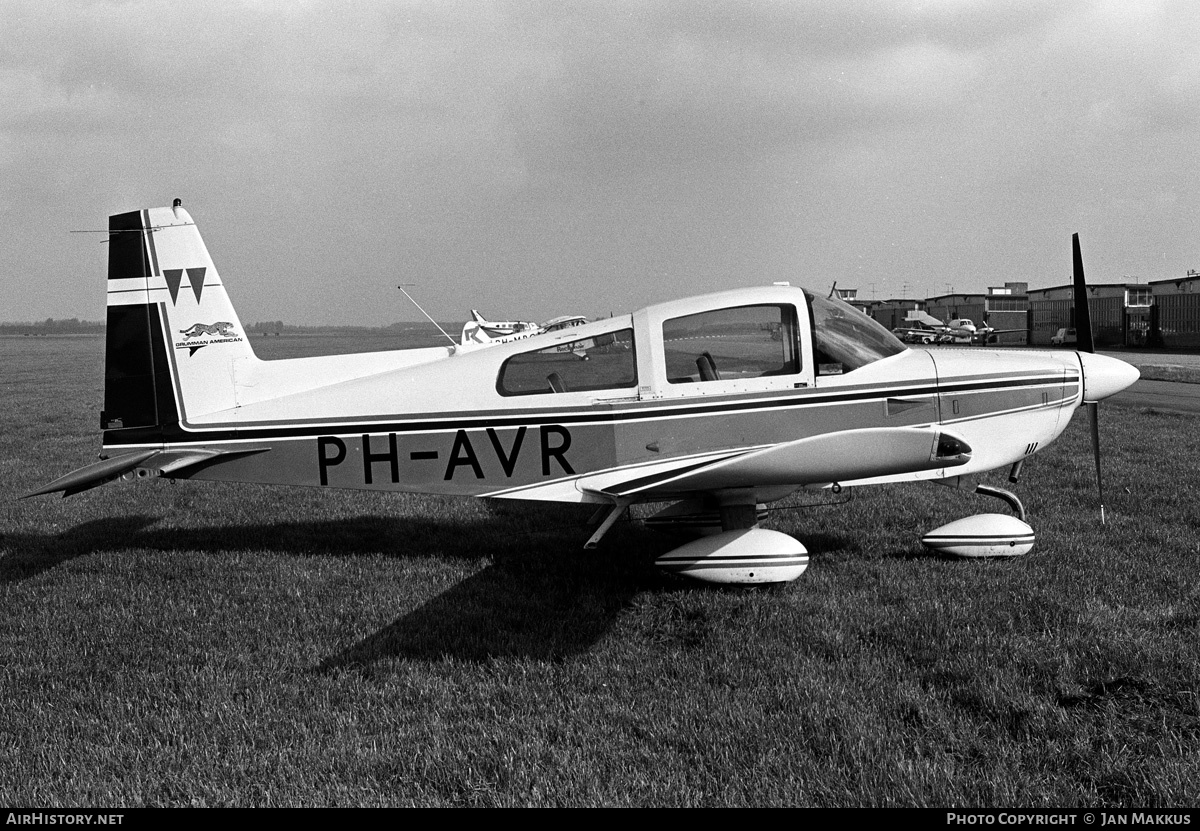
(170, 463)
(94, 474)
(833, 457)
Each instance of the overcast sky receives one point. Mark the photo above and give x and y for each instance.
(531, 159)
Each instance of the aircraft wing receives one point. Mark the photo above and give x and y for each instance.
(817, 460)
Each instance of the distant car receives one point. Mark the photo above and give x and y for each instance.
(1063, 336)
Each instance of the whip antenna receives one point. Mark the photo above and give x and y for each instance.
(431, 320)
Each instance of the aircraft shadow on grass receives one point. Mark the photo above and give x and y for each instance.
(371, 535)
(525, 610)
(531, 606)
(29, 555)
(541, 596)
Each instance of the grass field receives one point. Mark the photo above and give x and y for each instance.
(189, 644)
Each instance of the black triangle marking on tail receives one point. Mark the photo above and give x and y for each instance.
(174, 277)
(196, 278)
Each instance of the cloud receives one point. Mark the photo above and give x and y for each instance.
(513, 154)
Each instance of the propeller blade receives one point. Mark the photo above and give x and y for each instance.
(1083, 318)
(1094, 418)
(1085, 343)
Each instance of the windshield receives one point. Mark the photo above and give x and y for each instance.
(845, 339)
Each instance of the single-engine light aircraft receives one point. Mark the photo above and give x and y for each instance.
(714, 405)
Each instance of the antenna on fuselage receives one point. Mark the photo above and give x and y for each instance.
(422, 311)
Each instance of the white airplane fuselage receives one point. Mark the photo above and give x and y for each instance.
(628, 404)
(716, 403)
(441, 427)
(740, 396)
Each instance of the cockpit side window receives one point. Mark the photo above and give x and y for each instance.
(601, 362)
(845, 339)
(735, 343)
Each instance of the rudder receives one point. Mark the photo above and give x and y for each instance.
(173, 343)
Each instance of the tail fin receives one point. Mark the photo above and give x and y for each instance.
(173, 342)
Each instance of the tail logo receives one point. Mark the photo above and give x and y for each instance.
(197, 330)
(199, 335)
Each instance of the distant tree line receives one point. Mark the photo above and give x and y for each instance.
(50, 326)
(278, 327)
(75, 326)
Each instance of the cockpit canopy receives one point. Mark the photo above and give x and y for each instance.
(759, 338)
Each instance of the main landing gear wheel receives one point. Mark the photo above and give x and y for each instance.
(741, 553)
(985, 535)
(747, 556)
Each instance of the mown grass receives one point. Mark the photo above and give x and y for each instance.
(189, 644)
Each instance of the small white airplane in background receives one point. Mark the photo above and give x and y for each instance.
(929, 329)
(564, 322)
(479, 331)
(714, 405)
(984, 334)
(960, 329)
(963, 330)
